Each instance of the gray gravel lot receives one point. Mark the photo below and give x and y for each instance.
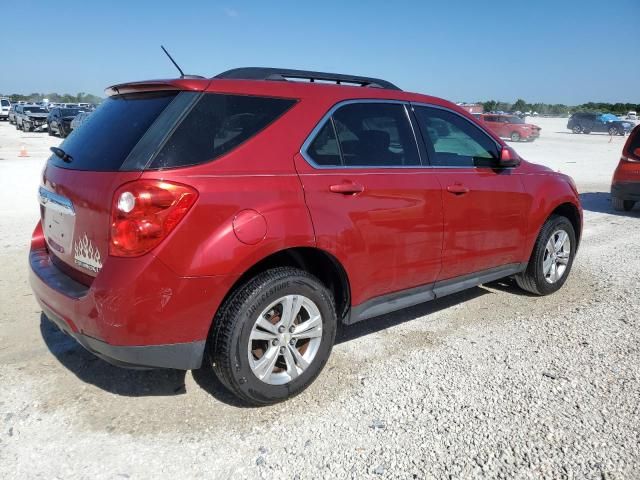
(487, 383)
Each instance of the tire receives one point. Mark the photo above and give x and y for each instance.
(26, 128)
(515, 137)
(613, 131)
(576, 129)
(620, 205)
(586, 132)
(535, 279)
(49, 131)
(235, 353)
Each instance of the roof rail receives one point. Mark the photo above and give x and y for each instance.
(283, 74)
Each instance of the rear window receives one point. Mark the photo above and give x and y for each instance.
(217, 124)
(166, 130)
(5, 103)
(104, 142)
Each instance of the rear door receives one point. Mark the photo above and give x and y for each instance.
(372, 204)
(484, 207)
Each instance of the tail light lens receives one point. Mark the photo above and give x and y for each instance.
(144, 212)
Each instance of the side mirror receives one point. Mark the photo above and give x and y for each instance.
(508, 158)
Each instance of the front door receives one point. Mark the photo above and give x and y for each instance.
(484, 207)
(372, 204)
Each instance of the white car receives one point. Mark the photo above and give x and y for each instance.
(632, 115)
(5, 105)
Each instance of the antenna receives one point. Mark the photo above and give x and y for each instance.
(173, 61)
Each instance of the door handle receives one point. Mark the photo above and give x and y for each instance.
(457, 189)
(347, 188)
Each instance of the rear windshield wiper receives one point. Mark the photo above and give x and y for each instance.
(62, 154)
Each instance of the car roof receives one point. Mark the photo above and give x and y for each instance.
(328, 93)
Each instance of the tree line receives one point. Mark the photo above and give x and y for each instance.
(559, 109)
(55, 97)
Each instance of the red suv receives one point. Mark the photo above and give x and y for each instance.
(625, 186)
(234, 222)
(511, 127)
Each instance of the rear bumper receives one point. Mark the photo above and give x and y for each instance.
(626, 191)
(136, 312)
(181, 356)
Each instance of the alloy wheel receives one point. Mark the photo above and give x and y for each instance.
(284, 339)
(556, 256)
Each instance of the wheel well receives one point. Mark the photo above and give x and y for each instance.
(570, 211)
(317, 262)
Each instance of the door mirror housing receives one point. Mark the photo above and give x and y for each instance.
(508, 158)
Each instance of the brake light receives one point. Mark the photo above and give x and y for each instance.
(144, 212)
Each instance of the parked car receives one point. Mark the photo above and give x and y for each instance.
(5, 106)
(12, 113)
(30, 117)
(59, 121)
(584, 122)
(79, 119)
(632, 115)
(625, 185)
(512, 127)
(232, 222)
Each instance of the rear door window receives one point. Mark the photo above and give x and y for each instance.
(369, 134)
(453, 141)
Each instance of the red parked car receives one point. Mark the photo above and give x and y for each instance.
(234, 222)
(511, 127)
(625, 185)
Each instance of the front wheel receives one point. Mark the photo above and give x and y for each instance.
(552, 258)
(613, 131)
(272, 337)
(577, 129)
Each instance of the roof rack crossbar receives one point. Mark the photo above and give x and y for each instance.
(283, 74)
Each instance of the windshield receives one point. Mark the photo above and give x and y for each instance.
(514, 119)
(34, 110)
(69, 112)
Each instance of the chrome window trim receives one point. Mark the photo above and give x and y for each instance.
(407, 105)
(311, 137)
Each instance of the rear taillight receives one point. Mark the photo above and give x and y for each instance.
(144, 212)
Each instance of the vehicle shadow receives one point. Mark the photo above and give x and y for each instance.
(167, 382)
(600, 202)
(93, 370)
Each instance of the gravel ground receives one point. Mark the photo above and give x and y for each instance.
(487, 383)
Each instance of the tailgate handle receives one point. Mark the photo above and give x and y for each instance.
(347, 188)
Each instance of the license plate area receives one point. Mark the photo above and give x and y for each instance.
(59, 220)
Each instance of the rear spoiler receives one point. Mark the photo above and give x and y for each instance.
(192, 84)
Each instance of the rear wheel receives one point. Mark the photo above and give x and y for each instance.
(576, 129)
(613, 131)
(620, 205)
(273, 336)
(515, 137)
(552, 257)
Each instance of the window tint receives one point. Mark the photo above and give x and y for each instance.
(104, 143)
(324, 148)
(454, 141)
(375, 134)
(217, 124)
(5, 103)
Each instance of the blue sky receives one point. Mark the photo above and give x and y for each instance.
(549, 51)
